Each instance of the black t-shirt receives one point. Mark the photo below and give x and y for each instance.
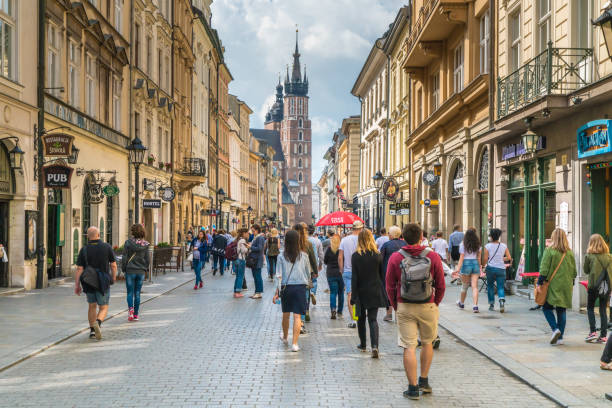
(99, 255)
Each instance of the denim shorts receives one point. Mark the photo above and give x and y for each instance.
(470, 267)
(99, 298)
(346, 277)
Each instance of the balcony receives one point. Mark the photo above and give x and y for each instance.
(556, 71)
(194, 167)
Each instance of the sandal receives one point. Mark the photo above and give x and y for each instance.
(604, 366)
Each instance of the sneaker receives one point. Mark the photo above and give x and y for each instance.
(195, 287)
(339, 315)
(602, 340)
(257, 296)
(412, 392)
(555, 336)
(424, 385)
(502, 305)
(97, 330)
(295, 348)
(284, 340)
(361, 348)
(375, 352)
(135, 317)
(238, 295)
(313, 299)
(307, 317)
(131, 314)
(302, 330)
(436, 343)
(333, 315)
(92, 334)
(388, 318)
(559, 343)
(475, 309)
(214, 272)
(201, 284)
(591, 337)
(491, 308)
(460, 305)
(352, 325)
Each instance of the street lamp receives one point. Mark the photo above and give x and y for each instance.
(137, 152)
(16, 154)
(605, 23)
(249, 211)
(378, 180)
(74, 155)
(220, 200)
(530, 138)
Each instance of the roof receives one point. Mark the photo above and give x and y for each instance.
(272, 139)
(286, 196)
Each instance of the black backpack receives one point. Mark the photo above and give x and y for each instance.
(93, 279)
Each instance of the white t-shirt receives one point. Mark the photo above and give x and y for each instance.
(381, 240)
(496, 261)
(348, 245)
(425, 242)
(440, 246)
(468, 255)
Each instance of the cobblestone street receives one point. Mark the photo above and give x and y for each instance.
(204, 348)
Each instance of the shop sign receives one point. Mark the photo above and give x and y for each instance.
(594, 138)
(458, 183)
(110, 190)
(148, 184)
(151, 203)
(517, 150)
(95, 193)
(402, 208)
(168, 193)
(428, 203)
(430, 178)
(57, 176)
(390, 189)
(58, 144)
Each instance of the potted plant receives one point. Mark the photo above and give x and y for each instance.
(168, 166)
(161, 165)
(151, 159)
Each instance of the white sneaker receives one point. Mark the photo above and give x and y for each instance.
(295, 348)
(555, 336)
(559, 343)
(283, 339)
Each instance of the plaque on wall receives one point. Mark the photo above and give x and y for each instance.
(30, 234)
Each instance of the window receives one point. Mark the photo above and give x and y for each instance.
(53, 39)
(137, 45)
(458, 69)
(292, 107)
(160, 145)
(159, 67)
(484, 43)
(435, 92)
(109, 220)
(8, 59)
(300, 135)
(300, 163)
(167, 141)
(300, 177)
(300, 123)
(544, 25)
(117, 103)
(300, 201)
(300, 106)
(90, 85)
(419, 118)
(74, 60)
(299, 149)
(305, 149)
(515, 41)
(149, 56)
(300, 214)
(167, 73)
(137, 125)
(117, 18)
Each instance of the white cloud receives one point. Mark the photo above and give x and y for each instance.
(261, 114)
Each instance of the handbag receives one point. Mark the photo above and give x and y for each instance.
(603, 284)
(283, 287)
(252, 260)
(89, 278)
(541, 291)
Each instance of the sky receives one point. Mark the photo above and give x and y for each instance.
(335, 38)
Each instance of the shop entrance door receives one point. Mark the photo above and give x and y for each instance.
(55, 234)
(484, 216)
(533, 243)
(601, 197)
(516, 237)
(4, 226)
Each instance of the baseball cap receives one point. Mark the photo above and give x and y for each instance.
(357, 225)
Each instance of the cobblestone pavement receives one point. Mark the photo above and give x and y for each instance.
(204, 348)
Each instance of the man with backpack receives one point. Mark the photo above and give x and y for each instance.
(218, 251)
(93, 278)
(415, 287)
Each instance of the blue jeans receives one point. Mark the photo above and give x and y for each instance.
(272, 265)
(258, 280)
(495, 276)
(239, 266)
(206, 256)
(559, 323)
(221, 261)
(133, 284)
(197, 267)
(314, 286)
(336, 293)
(470, 266)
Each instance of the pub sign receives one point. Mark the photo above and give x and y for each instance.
(57, 176)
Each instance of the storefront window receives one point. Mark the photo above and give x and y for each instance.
(517, 177)
(457, 188)
(483, 171)
(109, 220)
(86, 211)
(532, 172)
(550, 212)
(549, 170)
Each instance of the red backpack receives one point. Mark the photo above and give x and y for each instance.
(231, 251)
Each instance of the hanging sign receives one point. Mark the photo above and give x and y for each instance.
(167, 193)
(110, 190)
(429, 203)
(151, 203)
(430, 178)
(57, 176)
(148, 184)
(95, 193)
(390, 189)
(58, 144)
(594, 138)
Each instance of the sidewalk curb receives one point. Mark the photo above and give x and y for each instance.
(534, 380)
(76, 333)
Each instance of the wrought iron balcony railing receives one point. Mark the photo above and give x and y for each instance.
(556, 71)
(193, 166)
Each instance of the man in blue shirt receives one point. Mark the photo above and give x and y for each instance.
(454, 240)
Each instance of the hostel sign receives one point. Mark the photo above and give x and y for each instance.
(57, 176)
(594, 138)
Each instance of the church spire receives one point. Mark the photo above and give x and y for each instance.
(296, 75)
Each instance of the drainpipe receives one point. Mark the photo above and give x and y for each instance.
(217, 141)
(410, 186)
(131, 112)
(492, 82)
(172, 155)
(40, 199)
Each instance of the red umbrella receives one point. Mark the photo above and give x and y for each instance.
(338, 218)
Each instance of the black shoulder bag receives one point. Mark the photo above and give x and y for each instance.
(89, 278)
(603, 284)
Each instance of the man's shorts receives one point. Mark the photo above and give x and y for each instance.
(417, 321)
(346, 277)
(99, 298)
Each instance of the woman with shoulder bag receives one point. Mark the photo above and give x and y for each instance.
(306, 246)
(272, 251)
(496, 254)
(293, 275)
(558, 270)
(598, 266)
(367, 289)
(242, 250)
(469, 267)
(135, 263)
(334, 277)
